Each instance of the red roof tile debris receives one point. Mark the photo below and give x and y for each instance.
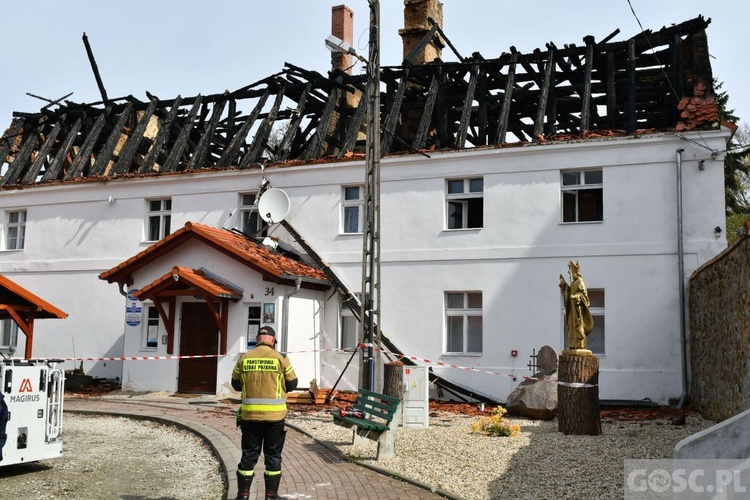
(699, 110)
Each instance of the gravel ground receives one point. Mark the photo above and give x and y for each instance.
(540, 463)
(115, 457)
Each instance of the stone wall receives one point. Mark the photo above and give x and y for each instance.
(719, 333)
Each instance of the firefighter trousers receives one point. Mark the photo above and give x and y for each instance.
(266, 436)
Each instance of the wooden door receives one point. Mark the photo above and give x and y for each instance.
(199, 334)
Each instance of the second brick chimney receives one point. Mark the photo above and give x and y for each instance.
(416, 26)
(342, 27)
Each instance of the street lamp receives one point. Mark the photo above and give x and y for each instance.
(370, 299)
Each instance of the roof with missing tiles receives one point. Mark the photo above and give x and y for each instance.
(656, 80)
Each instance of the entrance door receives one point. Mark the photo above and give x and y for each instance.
(199, 334)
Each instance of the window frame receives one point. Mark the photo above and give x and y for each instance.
(17, 227)
(466, 312)
(347, 316)
(8, 335)
(248, 212)
(163, 215)
(598, 313)
(358, 203)
(253, 323)
(576, 190)
(151, 319)
(466, 199)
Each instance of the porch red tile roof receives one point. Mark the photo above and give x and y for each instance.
(191, 281)
(25, 303)
(272, 265)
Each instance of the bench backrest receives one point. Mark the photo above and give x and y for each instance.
(377, 405)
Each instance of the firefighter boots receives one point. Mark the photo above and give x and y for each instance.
(272, 485)
(243, 485)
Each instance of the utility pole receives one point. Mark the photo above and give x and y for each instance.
(370, 303)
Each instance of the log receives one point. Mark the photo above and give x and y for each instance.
(578, 407)
(393, 385)
(393, 379)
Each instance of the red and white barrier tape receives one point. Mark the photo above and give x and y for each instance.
(396, 355)
(141, 358)
(479, 370)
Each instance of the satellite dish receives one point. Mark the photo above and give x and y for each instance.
(273, 206)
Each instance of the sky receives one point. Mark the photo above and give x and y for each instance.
(192, 47)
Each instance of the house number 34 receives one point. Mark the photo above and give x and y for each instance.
(270, 291)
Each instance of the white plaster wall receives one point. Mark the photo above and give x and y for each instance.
(74, 233)
(93, 328)
(304, 318)
(304, 333)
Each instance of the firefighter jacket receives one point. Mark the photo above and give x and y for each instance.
(264, 375)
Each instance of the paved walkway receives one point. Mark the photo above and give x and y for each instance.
(310, 469)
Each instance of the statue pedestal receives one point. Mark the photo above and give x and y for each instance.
(578, 407)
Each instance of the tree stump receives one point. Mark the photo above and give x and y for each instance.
(578, 407)
(393, 379)
(393, 385)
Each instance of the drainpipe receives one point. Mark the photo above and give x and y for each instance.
(681, 273)
(285, 314)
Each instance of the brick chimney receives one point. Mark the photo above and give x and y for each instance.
(342, 27)
(416, 26)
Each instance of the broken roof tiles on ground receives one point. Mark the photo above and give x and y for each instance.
(599, 88)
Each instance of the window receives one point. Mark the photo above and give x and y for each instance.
(463, 322)
(250, 221)
(353, 208)
(151, 337)
(595, 340)
(349, 328)
(16, 230)
(465, 203)
(253, 324)
(159, 219)
(8, 335)
(582, 196)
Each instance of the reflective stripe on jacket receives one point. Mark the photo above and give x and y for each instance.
(263, 373)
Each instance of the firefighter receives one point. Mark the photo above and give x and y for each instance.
(264, 376)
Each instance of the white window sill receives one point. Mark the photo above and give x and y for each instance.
(463, 354)
(581, 222)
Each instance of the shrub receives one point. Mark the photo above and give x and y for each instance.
(494, 425)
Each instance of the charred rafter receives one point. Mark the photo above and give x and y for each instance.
(302, 115)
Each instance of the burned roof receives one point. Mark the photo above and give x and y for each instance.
(605, 87)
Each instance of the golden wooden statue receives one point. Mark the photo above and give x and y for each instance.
(578, 317)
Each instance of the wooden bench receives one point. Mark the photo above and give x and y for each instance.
(379, 411)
